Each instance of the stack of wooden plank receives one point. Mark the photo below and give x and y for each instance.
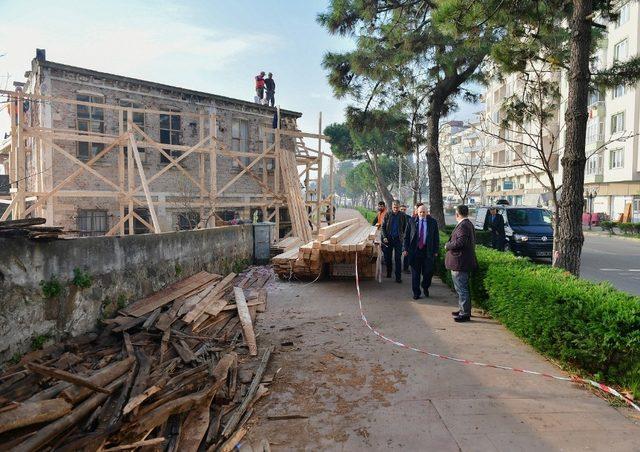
(30, 228)
(284, 245)
(335, 244)
(295, 202)
(163, 374)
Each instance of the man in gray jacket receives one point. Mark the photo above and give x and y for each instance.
(461, 260)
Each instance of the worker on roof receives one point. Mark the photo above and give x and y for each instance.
(270, 84)
(259, 87)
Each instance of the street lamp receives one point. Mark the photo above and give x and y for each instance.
(590, 193)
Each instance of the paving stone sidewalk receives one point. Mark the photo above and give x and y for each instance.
(360, 393)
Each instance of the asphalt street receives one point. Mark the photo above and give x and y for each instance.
(612, 259)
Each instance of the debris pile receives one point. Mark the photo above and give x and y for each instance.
(336, 245)
(163, 373)
(30, 228)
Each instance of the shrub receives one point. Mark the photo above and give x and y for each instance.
(81, 278)
(593, 327)
(38, 342)
(51, 288)
(629, 228)
(482, 237)
(368, 214)
(608, 226)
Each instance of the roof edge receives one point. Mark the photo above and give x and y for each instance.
(85, 71)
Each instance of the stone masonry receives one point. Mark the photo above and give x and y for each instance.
(62, 81)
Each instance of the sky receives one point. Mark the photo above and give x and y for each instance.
(215, 46)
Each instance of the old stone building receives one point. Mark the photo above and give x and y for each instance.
(76, 114)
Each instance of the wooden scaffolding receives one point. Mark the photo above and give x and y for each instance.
(295, 184)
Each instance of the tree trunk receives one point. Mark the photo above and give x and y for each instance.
(569, 236)
(416, 180)
(380, 185)
(436, 205)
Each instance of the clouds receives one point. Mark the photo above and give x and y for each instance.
(153, 42)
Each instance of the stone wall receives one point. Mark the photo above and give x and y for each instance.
(122, 270)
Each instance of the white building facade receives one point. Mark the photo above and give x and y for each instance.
(612, 170)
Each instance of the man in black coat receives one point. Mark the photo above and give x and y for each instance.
(461, 260)
(421, 245)
(392, 232)
(496, 225)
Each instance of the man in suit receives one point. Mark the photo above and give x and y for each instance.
(461, 260)
(392, 232)
(496, 225)
(405, 259)
(421, 244)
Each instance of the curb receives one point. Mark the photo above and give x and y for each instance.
(613, 236)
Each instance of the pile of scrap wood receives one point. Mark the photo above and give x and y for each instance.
(163, 374)
(336, 244)
(29, 227)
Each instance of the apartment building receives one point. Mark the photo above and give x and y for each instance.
(87, 110)
(612, 170)
(513, 154)
(462, 154)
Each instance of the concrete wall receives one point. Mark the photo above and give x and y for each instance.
(122, 270)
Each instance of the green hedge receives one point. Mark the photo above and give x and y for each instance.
(482, 237)
(629, 228)
(368, 214)
(590, 326)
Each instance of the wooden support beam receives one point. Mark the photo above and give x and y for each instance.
(213, 164)
(319, 173)
(73, 176)
(121, 178)
(145, 186)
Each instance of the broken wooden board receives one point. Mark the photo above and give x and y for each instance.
(245, 319)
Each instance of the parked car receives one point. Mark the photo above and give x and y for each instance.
(528, 230)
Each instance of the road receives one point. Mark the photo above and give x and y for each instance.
(607, 259)
(612, 259)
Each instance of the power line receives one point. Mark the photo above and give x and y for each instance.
(3, 186)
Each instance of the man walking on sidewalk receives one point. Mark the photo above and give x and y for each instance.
(405, 259)
(392, 232)
(421, 244)
(461, 260)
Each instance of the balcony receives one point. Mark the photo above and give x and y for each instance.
(595, 134)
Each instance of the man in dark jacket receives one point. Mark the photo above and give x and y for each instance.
(270, 84)
(405, 259)
(421, 244)
(496, 225)
(461, 260)
(392, 233)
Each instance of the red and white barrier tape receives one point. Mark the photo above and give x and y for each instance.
(575, 379)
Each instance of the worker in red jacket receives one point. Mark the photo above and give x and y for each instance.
(260, 87)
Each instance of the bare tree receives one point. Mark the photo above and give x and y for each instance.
(192, 214)
(529, 129)
(463, 169)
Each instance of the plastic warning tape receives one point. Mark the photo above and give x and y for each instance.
(573, 379)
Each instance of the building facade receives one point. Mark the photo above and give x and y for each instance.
(514, 153)
(462, 155)
(93, 107)
(612, 171)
